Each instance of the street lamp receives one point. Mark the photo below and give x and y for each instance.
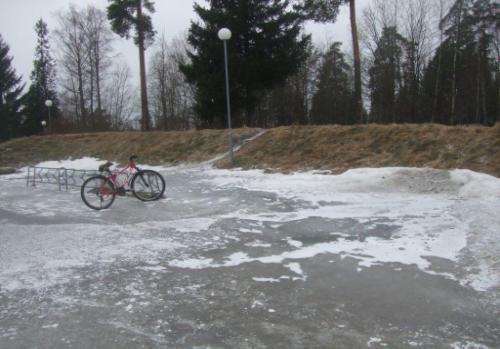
(44, 124)
(225, 34)
(48, 104)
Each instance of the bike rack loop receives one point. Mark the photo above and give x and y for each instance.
(62, 177)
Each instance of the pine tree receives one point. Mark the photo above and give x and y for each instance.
(386, 75)
(469, 89)
(332, 102)
(126, 15)
(327, 11)
(10, 95)
(42, 86)
(266, 48)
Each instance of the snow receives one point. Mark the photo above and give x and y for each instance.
(297, 269)
(86, 163)
(294, 243)
(265, 279)
(476, 185)
(468, 345)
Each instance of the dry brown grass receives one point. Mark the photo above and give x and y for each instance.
(152, 147)
(336, 148)
(339, 148)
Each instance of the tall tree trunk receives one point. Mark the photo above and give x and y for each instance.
(357, 64)
(478, 86)
(83, 112)
(98, 81)
(453, 117)
(91, 93)
(440, 59)
(145, 121)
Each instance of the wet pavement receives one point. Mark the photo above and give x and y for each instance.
(214, 266)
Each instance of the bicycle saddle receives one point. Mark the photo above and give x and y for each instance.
(105, 167)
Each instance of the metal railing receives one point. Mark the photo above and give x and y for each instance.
(64, 178)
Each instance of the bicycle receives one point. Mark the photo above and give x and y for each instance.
(98, 192)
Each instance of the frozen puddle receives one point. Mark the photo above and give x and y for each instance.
(438, 215)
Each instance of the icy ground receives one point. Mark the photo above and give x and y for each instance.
(373, 258)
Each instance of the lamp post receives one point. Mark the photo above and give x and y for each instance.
(48, 104)
(44, 124)
(225, 34)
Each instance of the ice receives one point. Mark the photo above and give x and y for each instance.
(451, 215)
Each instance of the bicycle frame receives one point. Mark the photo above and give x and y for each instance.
(121, 178)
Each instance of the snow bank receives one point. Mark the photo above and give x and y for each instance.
(386, 180)
(476, 185)
(86, 163)
(90, 163)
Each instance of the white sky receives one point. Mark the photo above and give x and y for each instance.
(172, 17)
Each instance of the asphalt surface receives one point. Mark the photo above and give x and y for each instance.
(190, 271)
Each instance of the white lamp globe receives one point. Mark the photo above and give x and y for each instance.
(44, 123)
(48, 103)
(224, 34)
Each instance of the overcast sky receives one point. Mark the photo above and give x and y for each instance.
(172, 17)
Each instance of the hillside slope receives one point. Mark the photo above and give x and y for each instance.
(335, 148)
(152, 147)
(339, 148)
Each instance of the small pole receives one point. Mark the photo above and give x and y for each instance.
(50, 122)
(59, 178)
(66, 178)
(48, 104)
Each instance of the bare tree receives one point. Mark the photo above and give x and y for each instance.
(118, 97)
(98, 37)
(172, 97)
(412, 20)
(73, 59)
(84, 40)
(416, 28)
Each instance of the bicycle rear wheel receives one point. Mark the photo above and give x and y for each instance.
(148, 185)
(98, 192)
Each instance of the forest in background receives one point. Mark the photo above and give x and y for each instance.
(417, 61)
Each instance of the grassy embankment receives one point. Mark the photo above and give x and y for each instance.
(335, 148)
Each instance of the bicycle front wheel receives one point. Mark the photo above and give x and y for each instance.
(148, 185)
(98, 192)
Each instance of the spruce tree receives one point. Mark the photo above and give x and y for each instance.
(266, 48)
(386, 75)
(42, 86)
(332, 102)
(10, 95)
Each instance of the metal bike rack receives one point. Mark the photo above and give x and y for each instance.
(62, 177)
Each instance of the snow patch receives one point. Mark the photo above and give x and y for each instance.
(85, 163)
(265, 279)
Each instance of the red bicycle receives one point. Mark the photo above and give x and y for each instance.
(99, 192)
